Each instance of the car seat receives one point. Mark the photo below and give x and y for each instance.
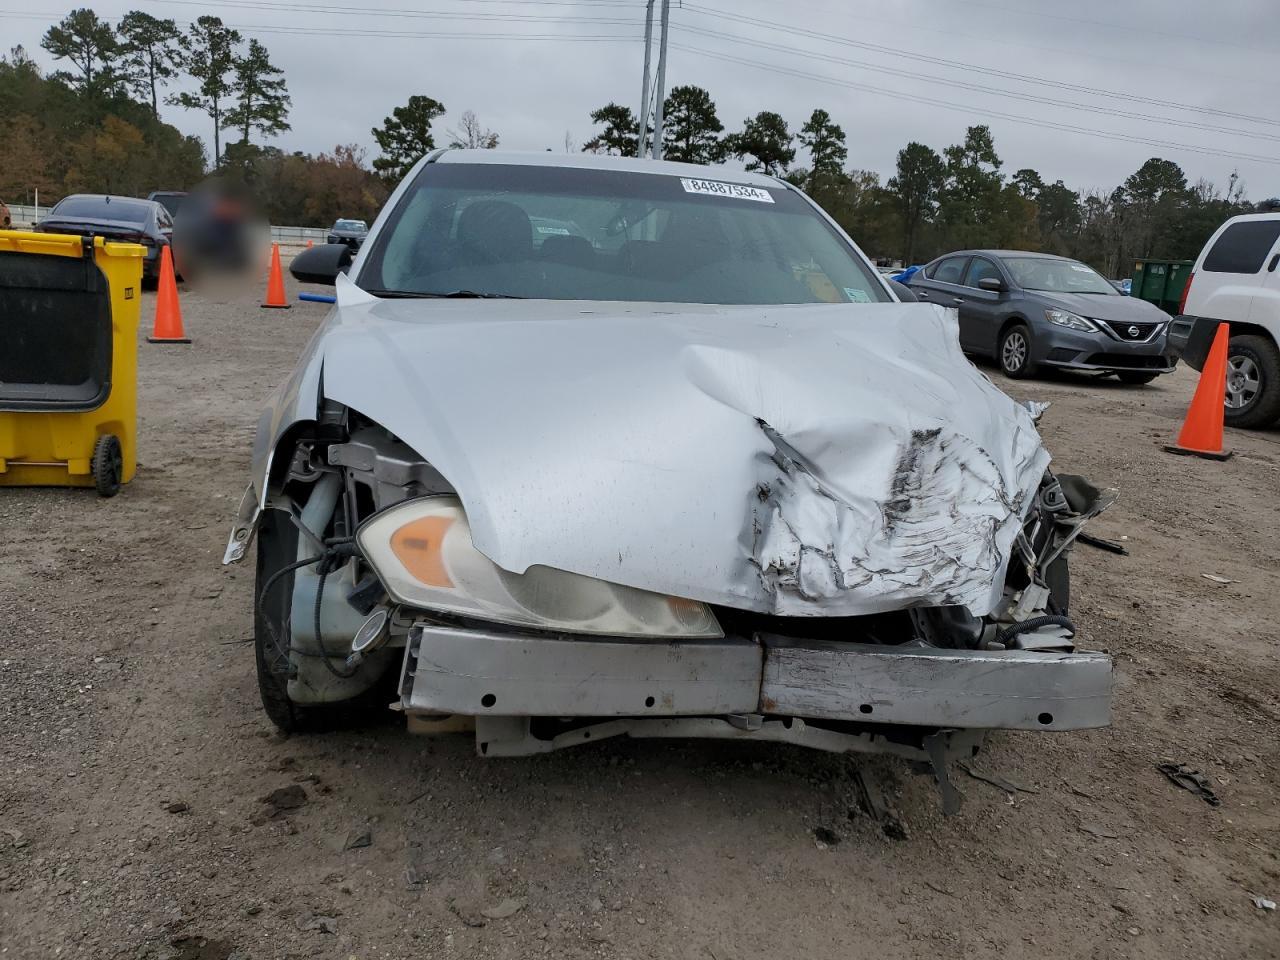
(495, 231)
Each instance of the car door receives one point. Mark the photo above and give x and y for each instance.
(980, 310)
(941, 284)
(1265, 308)
(1233, 270)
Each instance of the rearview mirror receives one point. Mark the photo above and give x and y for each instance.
(321, 264)
(992, 285)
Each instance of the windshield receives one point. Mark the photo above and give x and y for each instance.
(171, 202)
(1057, 276)
(103, 208)
(562, 233)
(349, 225)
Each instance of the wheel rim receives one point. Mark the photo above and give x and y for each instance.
(1243, 381)
(1014, 352)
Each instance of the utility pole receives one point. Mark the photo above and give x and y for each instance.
(660, 93)
(644, 86)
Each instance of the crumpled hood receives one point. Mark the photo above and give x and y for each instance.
(822, 460)
(1119, 309)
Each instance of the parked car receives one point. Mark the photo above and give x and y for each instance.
(350, 232)
(1033, 310)
(5, 220)
(1124, 287)
(694, 473)
(118, 218)
(1235, 280)
(171, 200)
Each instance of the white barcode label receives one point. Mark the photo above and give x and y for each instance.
(717, 189)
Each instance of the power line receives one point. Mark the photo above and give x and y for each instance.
(775, 27)
(977, 87)
(976, 111)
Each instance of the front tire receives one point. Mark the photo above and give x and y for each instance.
(1253, 382)
(277, 548)
(1015, 353)
(1134, 378)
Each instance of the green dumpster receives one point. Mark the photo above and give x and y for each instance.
(1161, 282)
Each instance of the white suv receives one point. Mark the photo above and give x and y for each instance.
(1235, 280)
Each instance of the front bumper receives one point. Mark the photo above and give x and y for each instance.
(449, 670)
(1057, 346)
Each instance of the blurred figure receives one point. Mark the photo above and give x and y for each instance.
(219, 238)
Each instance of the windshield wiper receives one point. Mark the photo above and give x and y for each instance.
(454, 295)
(472, 295)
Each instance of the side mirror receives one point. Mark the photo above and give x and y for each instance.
(992, 285)
(321, 264)
(905, 293)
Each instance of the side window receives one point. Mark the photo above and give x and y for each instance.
(1243, 247)
(950, 270)
(980, 269)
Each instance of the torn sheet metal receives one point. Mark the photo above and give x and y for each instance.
(826, 459)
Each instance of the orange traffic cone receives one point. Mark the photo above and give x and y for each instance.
(168, 323)
(310, 244)
(1201, 434)
(275, 282)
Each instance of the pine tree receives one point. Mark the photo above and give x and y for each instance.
(209, 57)
(262, 99)
(151, 49)
(405, 136)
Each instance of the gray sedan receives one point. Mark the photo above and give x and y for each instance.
(1033, 310)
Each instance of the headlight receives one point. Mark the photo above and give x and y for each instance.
(1065, 318)
(422, 553)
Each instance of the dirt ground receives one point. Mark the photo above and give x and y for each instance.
(134, 754)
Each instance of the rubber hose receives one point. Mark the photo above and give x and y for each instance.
(1035, 623)
(324, 654)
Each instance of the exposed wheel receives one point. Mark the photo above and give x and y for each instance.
(107, 465)
(1253, 382)
(1134, 377)
(277, 548)
(1015, 353)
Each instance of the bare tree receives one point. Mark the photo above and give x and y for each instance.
(470, 135)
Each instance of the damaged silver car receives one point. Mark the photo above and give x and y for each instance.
(680, 465)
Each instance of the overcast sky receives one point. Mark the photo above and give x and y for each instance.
(349, 63)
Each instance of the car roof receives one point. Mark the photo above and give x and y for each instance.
(599, 161)
(1005, 253)
(115, 198)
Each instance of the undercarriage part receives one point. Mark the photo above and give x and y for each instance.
(1007, 635)
(514, 736)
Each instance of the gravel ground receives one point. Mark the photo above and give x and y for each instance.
(134, 757)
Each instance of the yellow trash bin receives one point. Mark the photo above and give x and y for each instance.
(69, 310)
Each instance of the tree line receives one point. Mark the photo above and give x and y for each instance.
(937, 201)
(95, 126)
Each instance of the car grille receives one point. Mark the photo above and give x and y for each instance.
(1129, 361)
(1130, 332)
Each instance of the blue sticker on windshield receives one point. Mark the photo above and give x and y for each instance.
(857, 296)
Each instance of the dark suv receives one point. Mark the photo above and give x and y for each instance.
(1029, 310)
(350, 232)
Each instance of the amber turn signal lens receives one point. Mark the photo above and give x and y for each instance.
(419, 545)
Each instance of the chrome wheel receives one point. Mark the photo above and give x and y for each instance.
(1014, 352)
(1243, 381)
